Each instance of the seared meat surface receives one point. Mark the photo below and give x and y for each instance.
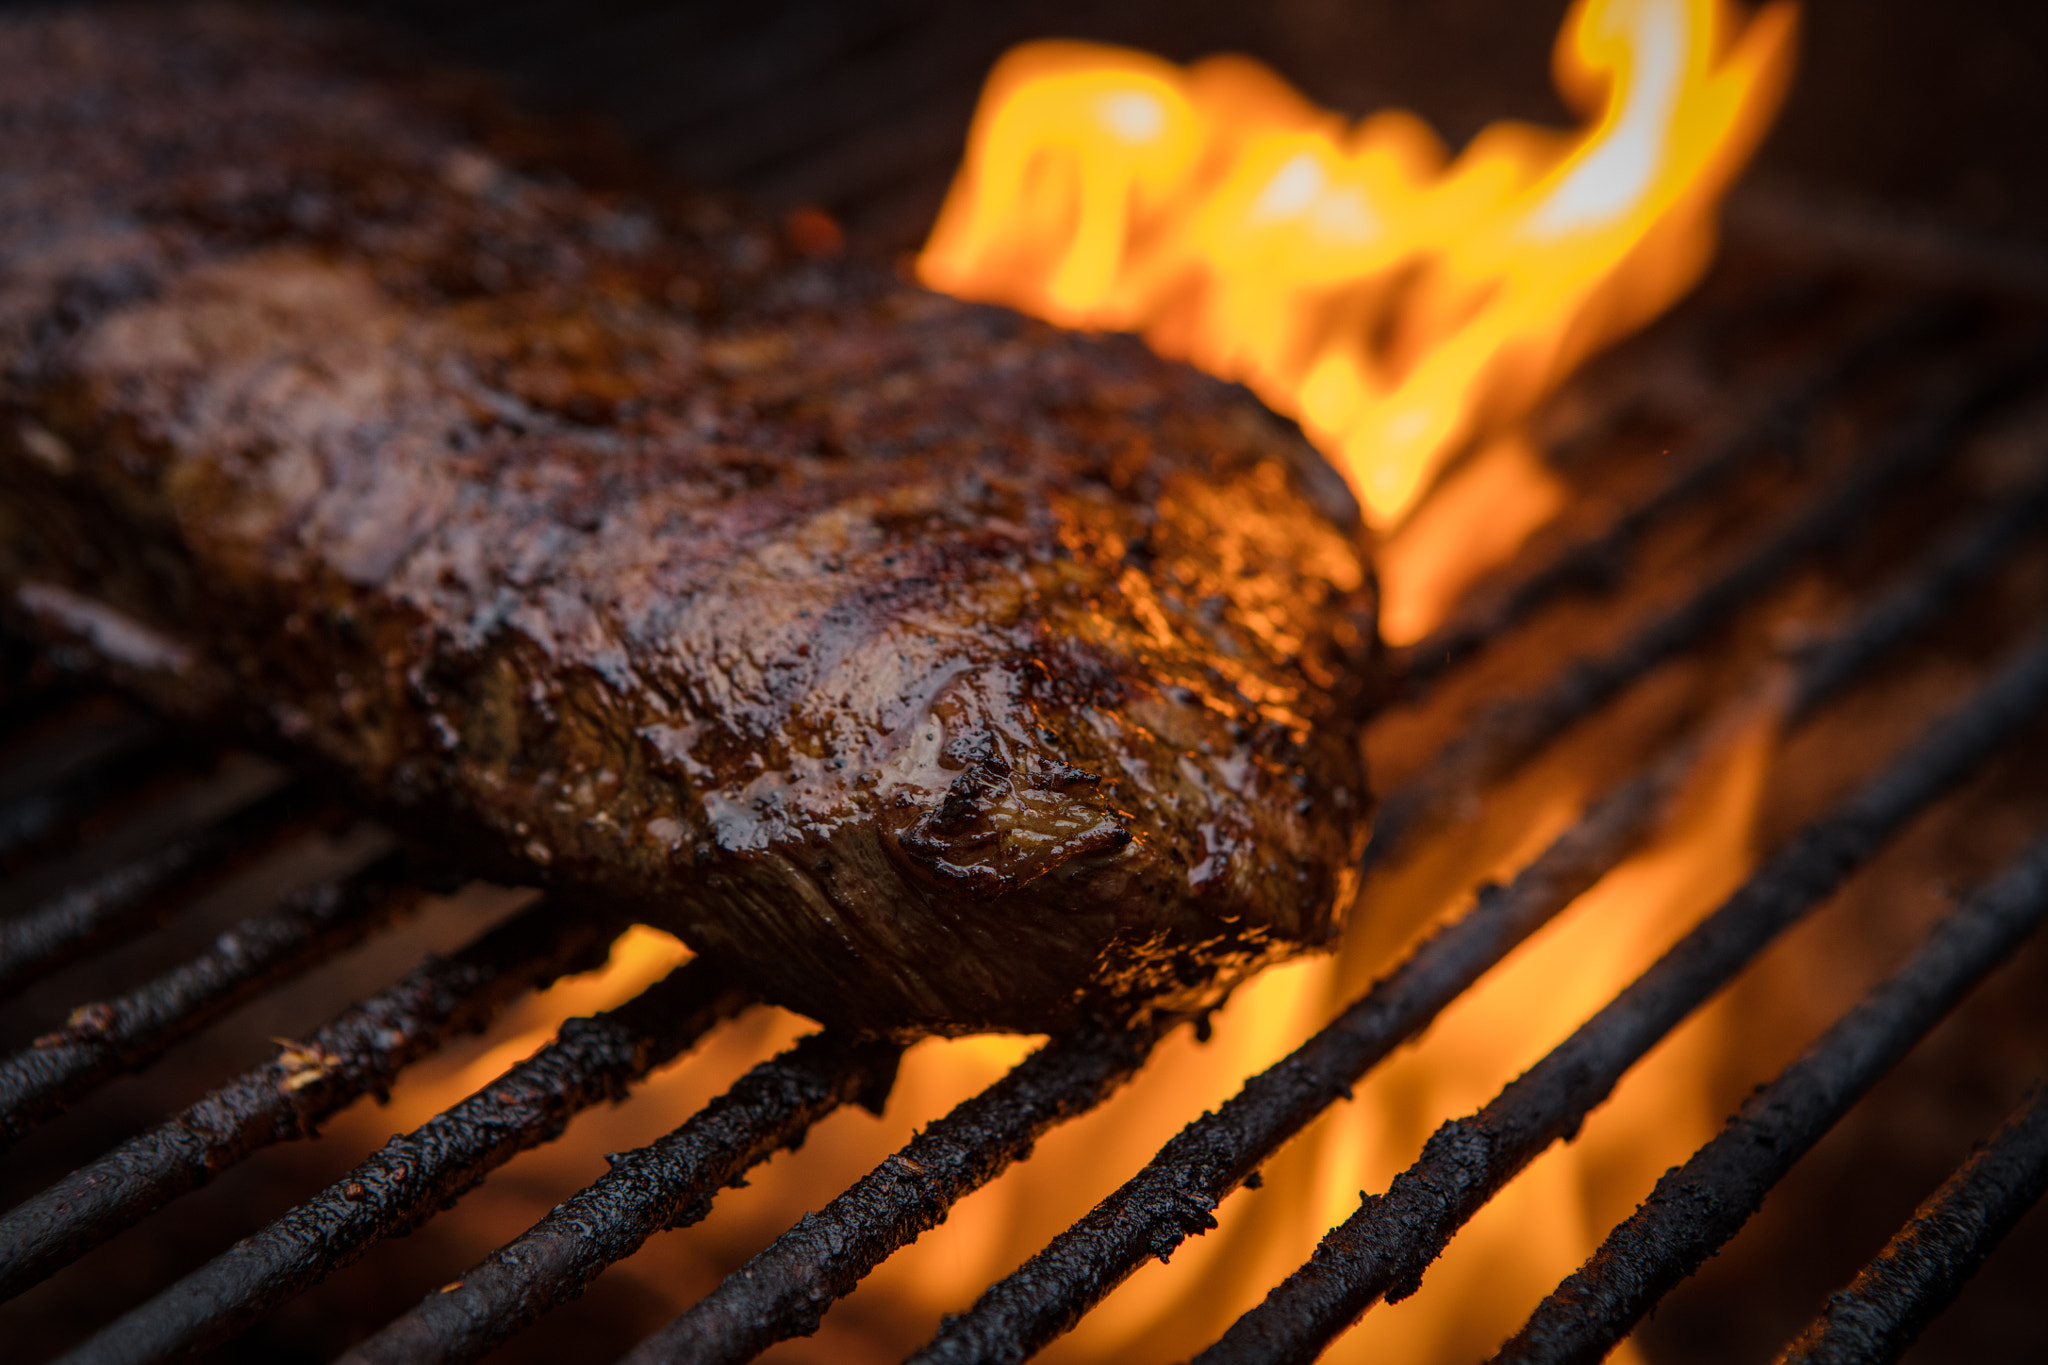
(937, 670)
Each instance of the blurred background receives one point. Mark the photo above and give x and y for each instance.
(1937, 112)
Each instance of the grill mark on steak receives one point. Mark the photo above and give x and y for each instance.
(936, 669)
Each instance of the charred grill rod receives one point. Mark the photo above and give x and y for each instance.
(416, 1175)
(1385, 1246)
(640, 1198)
(1915, 600)
(358, 1052)
(1923, 1268)
(1502, 737)
(107, 1037)
(1175, 1195)
(1777, 418)
(1696, 1208)
(784, 1291)
(145, 890)
(41, 815)
(667, 1184)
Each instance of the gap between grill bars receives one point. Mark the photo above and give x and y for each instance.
(1954, 368)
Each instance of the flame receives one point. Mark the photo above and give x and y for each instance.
(1529, 1238)
(1397, 302)
(1406, 307)
(1548, 1220)
(1476, 518)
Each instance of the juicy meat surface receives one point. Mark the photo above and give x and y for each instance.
(935, 669)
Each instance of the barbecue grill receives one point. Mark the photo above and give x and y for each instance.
(1816, 493)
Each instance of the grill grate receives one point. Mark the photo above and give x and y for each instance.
(357, 1053)
(1978, 369)
(1383, 1249)
(1921, 1270)
(1696, 1208)
(1822, 454)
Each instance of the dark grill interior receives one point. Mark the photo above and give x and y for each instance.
(1816, 491)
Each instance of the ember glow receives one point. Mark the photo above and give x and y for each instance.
(1396, 301)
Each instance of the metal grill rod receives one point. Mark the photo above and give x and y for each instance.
(785, 1290)
(1173, 1197)
(417, 1174)
(146, 890)
(1507, 734)
(35, 820)
(102, 1039)
(667, 1184)
(1776, 418)
(1385, 1246)
(1915, 600)
(1176, 1193)
(1696, 1208)
(360, 1051)
(1923, 1268)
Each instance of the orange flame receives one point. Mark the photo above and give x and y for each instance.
(1394, 301)
(1526, 1240)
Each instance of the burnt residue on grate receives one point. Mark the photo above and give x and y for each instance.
(357, 1053)
(1923, 1268)
(784, 1291)
(1175, 1195)
(1954, 383)
(1383, 1249)
(420, 1173)
(106, 1037)
(1698, 1206)
(667, 1184)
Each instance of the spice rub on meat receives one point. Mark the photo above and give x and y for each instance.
(935, 669)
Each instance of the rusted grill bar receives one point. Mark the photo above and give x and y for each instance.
(1921, 1270)
(422, 1172)
(1697, 1207)
(1383, 1249)
(358, 1052)
(106, 1037)
(667, 1184)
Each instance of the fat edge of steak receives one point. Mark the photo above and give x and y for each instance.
(939, 670)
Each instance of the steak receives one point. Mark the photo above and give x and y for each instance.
(933, 668)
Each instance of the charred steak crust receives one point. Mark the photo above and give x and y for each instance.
(939, 670)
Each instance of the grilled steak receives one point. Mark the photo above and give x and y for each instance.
(937, 670)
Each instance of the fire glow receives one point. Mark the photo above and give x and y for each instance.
(1406, 307)
(1394, 300)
